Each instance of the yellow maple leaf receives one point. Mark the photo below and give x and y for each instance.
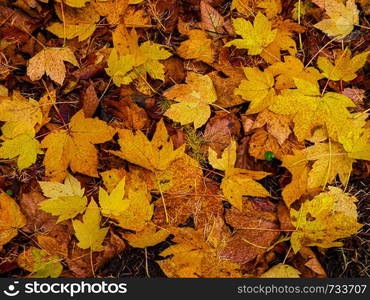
(310, 110)
(113, 203)
(298, 167)
(75, 147)
(112, 177)
(50, 61)
(66, 200)
(360, 148)
(342, 18)
(40, 263)
(198, 46)
(271, 7)
(88, 232)
(292, 68)
(21, 115)
(281, 271)
(345, 67)
(193, 257)
(78, 22)
(23, 146)
(149, 236)
(135, 61)
(258, 88)
(330, 160)
(193, 100)
(139, 211)
(11, 218)
(153, 155)
(254, 37)
(237, 182)
(326, 218)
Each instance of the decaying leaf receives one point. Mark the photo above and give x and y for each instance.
(324, 219)
(50, 61)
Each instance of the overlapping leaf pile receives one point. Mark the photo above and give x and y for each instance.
(225, 133)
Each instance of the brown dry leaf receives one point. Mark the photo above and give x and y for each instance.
(11, 218)
(133, 116)
(277, 125)
(90, 101)
(211, 19)
(51, 62)
(262, 142)
(220, 130)
(312, 262)
(248, 242)
(356, 95)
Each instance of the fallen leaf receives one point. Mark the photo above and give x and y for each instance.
(281, 271)
(75, 147)
(326, 218)
(50, 61)
(193, 100)
(88, 232)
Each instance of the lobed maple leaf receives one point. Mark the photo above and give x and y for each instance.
(193, 100)
(23, 146)
(198, 46)
(74, 147)
(292, 68)
(113, 203)
(254, 37)
(258, 88)
(66, 199)
(344, 67)
(88, 232)
(237, 182)
(310, 110)
(149, 236)
(79, 23)
(153, 155)
(342, 18)
(324, 219)
(50, 61)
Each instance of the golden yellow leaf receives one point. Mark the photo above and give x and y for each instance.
(66, 200)
(193, 100)
(237, 182)
(88, 232)
(342, 18)
(23, 146)
(281, 271)
(50, 61)
(292, 68)
(298, 167)
(139, 211)
(271, 7)
(194, 258)
(326, 218)
(112, 177)
(330, 160)
(310, 110)
(254, 37)
(345, 67)
(156, 154)
(75, 147)
(198, 46)
(11, 218)
(76, 22)
(113, 203)
(149, 236)
(21, 115)
(258, 88)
